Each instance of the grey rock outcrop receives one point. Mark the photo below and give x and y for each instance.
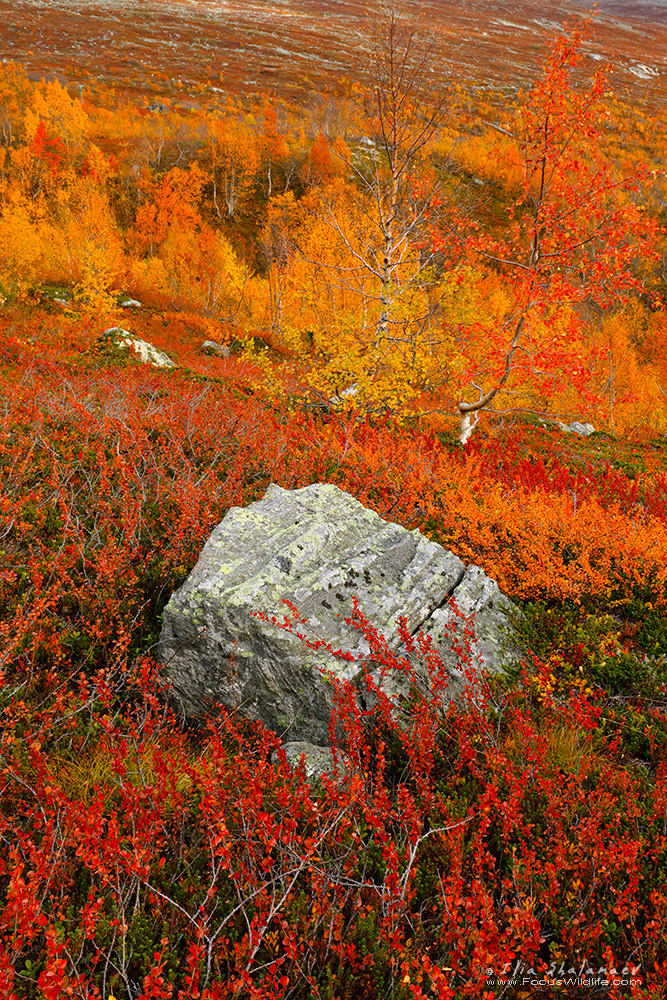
(316, 547)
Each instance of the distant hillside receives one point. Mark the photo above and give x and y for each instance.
(645, 10)
(291, 47)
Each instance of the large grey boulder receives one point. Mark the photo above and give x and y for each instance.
(316, 547)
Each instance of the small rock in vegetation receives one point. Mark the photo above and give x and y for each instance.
(351, 391)
(583, 430)
(146, 352)
(211, 347)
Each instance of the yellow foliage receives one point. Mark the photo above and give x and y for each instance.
(15, 91)
(98, 164)
(26, 241)
(199, 270)
(631, 369)
(62, 115)
(97, 773)
(234, 160)
(148, 278)
(93, 251)
(415, 341)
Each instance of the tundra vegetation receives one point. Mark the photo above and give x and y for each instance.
(392, 278)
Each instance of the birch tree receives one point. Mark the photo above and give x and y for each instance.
(389, 255)
(573, 234)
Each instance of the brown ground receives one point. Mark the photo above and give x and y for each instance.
(290, 46)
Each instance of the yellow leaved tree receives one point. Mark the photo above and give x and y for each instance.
(63, 116)
(365, 242)
(201, 271)
(92, 252)
(27, 242)
(234, 159)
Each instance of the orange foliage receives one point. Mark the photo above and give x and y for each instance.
(236, 211)
(234, 160)
(326, 161)
(170, 201)
(273, 145)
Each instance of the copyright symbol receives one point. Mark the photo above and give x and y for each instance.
(489, 972)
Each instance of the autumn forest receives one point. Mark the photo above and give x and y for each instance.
(410, 286)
